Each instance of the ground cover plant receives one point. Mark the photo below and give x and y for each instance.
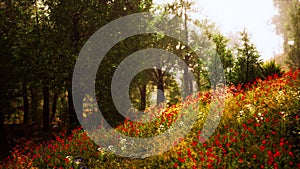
(259, 129)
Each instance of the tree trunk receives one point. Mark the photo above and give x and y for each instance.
(75, 37)
(185, 83)
(25, 102)
(46, 108)
(191, 86)
(143, 97)
(247, 71)
(73, 117)
(2, 131)
(34, 105)
(54, 104)
(160, 88)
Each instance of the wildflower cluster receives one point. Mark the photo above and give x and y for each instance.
(259, 129)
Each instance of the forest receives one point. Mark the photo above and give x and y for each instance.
(212, 100)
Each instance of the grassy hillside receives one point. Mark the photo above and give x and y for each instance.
(259, 128)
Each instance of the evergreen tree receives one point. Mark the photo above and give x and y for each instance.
(247, 66)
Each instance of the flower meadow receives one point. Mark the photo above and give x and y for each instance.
(259, 128)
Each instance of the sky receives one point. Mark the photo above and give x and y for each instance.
(232, 16)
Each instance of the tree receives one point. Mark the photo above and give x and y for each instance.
(287, 24)
(225, 54)
(204, 47)
(294, 52)
(139, 84)
(9, 74)
(247, 66)
(73, 25)
(181, 8)
(117, 9)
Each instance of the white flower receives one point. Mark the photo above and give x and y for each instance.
(181, 124)
(102, 150)
(69, 157)
(123, 147)
(241, 113)
(250, 107)
(123, 141)
(111, 148)
(170, 129)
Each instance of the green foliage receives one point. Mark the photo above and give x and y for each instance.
(270, 68)
(225, 54)
(247, 66)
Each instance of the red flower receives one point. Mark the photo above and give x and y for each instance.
(175, 165)
(240, 160)
(236, 133)
(202, 159)
(275, 166)
(264, 142)
(270, 153)
(189, 153)
(277, 154)
(270, 160)
(254, 156)
(217, 142)
(233, 139)
(291, 154)
(194, 143)
(262, 148)
(67, 160)
(201, 139)
(281, 144)
(182, 160)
